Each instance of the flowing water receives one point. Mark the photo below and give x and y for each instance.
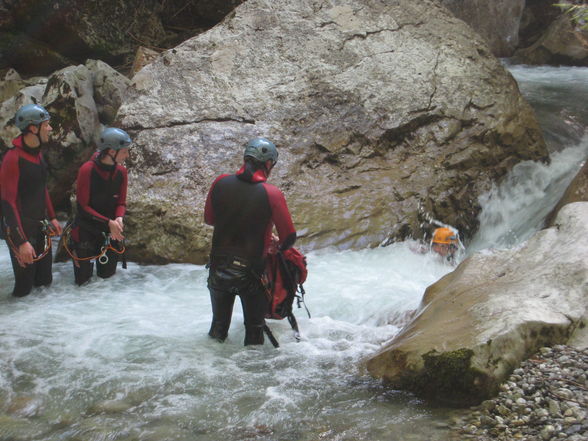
(128, 358)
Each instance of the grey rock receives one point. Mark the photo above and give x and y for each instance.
(362, 98)
(510, 317)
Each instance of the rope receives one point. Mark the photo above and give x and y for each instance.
(48, 233)
(101, 257)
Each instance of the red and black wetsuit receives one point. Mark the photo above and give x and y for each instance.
(25, 204)
(101, 196)
(243, 209)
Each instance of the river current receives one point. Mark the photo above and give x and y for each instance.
(128, 358)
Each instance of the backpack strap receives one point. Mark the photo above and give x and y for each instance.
(270, 336)
(294, 324)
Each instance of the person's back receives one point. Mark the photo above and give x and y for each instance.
(243, 209)
(242, 215)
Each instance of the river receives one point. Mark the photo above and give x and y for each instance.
(129, 359)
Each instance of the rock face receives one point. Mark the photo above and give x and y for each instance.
(378, 118)
(537, 16)
(496, 20)
(562, 43)
(93, 27)
(478, 323)
(577, 191)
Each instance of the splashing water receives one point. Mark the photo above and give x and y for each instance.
(129, 357)
(514, 210)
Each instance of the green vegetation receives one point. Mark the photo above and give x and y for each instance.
(579, 13)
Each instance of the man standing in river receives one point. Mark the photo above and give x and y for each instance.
(26, 204)
(244, 208)
(101, 195)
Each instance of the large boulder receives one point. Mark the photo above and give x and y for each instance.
(378, 117)
(577, 191)
(497, 21)
(16, 92)
(477, 324)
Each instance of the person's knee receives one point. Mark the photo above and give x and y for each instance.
(106, 272)
(219, 331)
(253, 335)
(80, 281)
(22, 292)
(43, 282)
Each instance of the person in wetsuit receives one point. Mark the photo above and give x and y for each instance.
(445, 243)
(101, 205)
(26, 204)
(244, 208)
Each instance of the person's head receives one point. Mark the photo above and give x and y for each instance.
(445, 242)
(114, 144)
(33, 122)
(261, 152)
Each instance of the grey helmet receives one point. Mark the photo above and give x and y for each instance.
(262, 150)
(30, 114)
(113, 138)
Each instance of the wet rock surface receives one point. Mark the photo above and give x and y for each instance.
(478, 323)
(546, 398)
(377, 115)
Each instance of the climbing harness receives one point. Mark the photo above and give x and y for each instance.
(101, 257)
(48, 233)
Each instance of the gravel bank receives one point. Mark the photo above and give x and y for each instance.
(545, 399)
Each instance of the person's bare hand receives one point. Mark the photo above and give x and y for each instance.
(120, 222)
(26, 254)
(115, 230)
(273, 245)
(56, 227)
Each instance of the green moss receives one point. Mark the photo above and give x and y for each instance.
(449, 377)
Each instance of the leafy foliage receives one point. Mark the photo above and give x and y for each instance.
(579, 13)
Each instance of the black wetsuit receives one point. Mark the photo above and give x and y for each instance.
(243, 209)
(25, 204)
(101, 196)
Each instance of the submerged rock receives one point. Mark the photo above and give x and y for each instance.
(377, 114)
(478, 323)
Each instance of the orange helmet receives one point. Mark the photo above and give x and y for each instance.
(445, 236)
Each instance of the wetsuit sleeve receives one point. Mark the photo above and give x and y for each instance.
(9, 176)
(83, 192)
(121, 206)
(281, 217)
(208, 210)
(49, 205)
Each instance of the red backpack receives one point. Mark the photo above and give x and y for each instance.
(285, 273)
